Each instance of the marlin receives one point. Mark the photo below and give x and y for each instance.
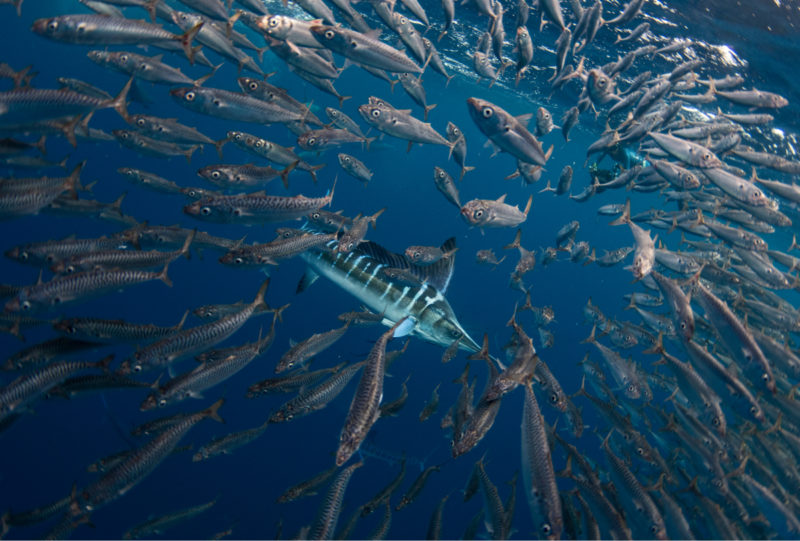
(421, 300)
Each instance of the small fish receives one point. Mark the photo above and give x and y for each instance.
(300, 353)
(444, 182)
(494, 213)
(256, 208)
(507, 132)
(355, 167)
(363, 49)
(427, 255)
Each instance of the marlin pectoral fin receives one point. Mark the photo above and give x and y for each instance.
(308, 278)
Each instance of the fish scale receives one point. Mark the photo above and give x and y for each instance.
(29, 386)
(80, 286)
(255, 208)
(317, 397)
(139, 463)
(189, 341)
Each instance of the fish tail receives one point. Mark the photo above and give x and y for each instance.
(285, 173)
(516, 242)
(213, 409)
(484, 352)
(207, 76)
(163, 275)
(626, 214)
(73, 182)
(187, 243)
(259, 301)
(528, 206)
(186, 41)
(313, 171)
(590, 339)
(150, 6)
(428, 108)
(466, 169)
(120, 103)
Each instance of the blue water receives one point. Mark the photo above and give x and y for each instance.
(47, 451)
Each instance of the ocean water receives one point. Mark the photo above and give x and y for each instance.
(47, 450)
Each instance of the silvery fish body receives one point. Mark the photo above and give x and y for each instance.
(359, 273)
(506, 131)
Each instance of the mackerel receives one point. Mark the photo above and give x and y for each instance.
(189, 341)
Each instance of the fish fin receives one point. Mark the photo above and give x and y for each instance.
(524, 119)
(404, 327)
(308, 278)
(212, 411)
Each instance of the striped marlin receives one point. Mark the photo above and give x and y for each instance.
(359, 273)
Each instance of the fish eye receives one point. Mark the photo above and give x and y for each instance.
(312, 141)
(238, 260)
(253, 85)
(23, 256)
(487, 112)
(753, 410)
(553, 398)
(707, 156)
(715, 421)
(53, 26)
(26, 305)
(140, 122)
(653, 528)
(190, 96)
(215, 174)
(631, 388)
(602, 82)
(765, 376)
(346, 159)
(546, 529)
(376, 113)
(273, 22)
(259, 144)
(329, 34)
(124, 58)
(640, 451)
(205, 211)
(478, 213)
(137, 368)
(315, 216)
(403, 20)
(455, 333)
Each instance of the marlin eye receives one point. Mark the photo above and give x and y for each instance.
(487, 112)
(329, 34)
(190, 96)
(205, 211)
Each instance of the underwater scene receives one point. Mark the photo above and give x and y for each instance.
(401, 269)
